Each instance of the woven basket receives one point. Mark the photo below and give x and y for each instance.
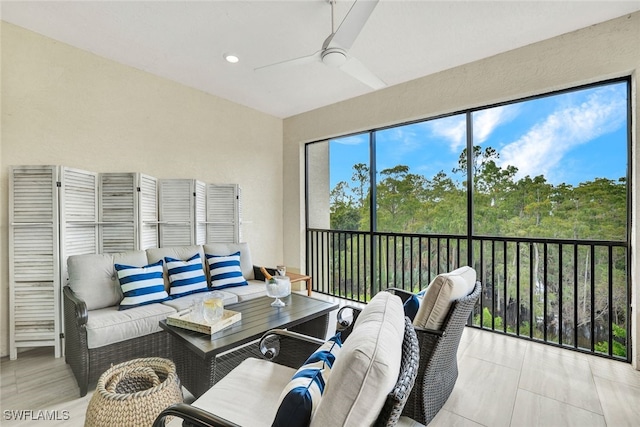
(133, 393)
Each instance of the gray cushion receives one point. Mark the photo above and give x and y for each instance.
(248, 395)
(108, 325)
(93, 277)
(441, 292)
(367, 368)
(246, 265)
(255, 289)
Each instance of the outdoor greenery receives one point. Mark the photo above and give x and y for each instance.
(552, 256)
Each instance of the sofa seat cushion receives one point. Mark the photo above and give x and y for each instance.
(367, 368)
(183, 303)
(441, 293)
(109, 325)
(93, 278)
(254, 385)
(254, 289)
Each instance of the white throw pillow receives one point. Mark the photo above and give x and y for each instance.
(441, 292)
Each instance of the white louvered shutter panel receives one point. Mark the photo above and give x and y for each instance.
(147, 211)
(223, 213)
(176, 212)
(200, 211)
(78, 215)
(34, 279)
(118, 212)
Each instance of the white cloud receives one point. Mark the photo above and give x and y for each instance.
(543, 147)
(453, 129)
(486, 121)
(352, 140)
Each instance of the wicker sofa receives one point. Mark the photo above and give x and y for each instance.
(97, 334)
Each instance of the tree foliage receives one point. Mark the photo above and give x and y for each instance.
(506, 205)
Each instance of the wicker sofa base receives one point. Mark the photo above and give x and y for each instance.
(102, 358)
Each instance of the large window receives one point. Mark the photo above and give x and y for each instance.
(534, 194)
(552, 166)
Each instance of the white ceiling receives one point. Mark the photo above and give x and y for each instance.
(185, 40)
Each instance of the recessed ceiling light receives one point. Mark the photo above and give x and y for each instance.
(230, 57)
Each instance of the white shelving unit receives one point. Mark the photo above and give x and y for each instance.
(223, 213)
(180, 202)
(34, 276)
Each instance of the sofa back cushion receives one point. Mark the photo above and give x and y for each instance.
(441, 293)
(176, 252)
(93, 278)
(367, 368)
(246, 265)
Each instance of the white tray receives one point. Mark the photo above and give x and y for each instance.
(229, 317)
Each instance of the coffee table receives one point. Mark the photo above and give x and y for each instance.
(202, 360)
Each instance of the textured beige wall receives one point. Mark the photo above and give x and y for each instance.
(64, 106)
(610, 49)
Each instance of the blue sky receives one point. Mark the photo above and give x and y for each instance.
(568, 138)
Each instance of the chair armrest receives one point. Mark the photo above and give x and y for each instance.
(78, 305)
(193, 416)
(345, 323)
(288, 348)
(435, 332)
(271, 352)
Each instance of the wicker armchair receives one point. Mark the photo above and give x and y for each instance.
(438, 369)
(291, 349)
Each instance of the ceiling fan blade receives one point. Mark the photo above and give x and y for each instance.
(357, 70)
(292, 62)
(353, 23)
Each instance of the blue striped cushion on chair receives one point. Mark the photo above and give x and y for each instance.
(141, 285)
(225, 271)
(301, 396)
(186, 277)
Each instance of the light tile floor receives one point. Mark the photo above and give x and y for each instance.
(503, 381)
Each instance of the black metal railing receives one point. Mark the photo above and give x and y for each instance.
(572, 294)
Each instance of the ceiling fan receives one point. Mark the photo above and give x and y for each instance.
(334, 49)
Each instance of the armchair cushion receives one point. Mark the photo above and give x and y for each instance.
(368, 366)
(441, 293)
(301, 396)
(254, 386)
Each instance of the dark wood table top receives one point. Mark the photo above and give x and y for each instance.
(258, 316)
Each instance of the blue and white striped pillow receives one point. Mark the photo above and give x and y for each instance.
(302, 395)
(225, 271)
(186, 277)
(141, 285)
